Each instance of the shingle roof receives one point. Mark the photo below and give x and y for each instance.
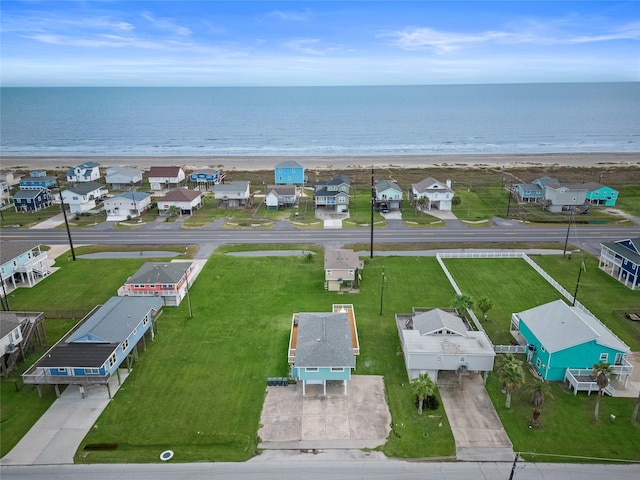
(341, 259)
(116, 319)
(88, 355)
(8, 323)
(135, 196)
(164, 172)
(181, 195)
(324, 340)
(558, 326)
(434, 320)
(288, 164)
(623, 251)
(11, 250)
(84, 188)
(383, 185)
(152, 273)
(426, 184)
(284, 190)
(127, 171)
(237, 186)
(28, 194)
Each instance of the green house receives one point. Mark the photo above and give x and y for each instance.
(561, 337)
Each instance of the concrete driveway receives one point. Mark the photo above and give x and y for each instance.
(360, 419)
(475, 424)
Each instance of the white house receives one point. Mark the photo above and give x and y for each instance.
(341, 267)
(22, 263)
(434, 341)
(233, 194)
(161, 178)
(121, 178)
(86, 172)
(280, 196)
(83, 197)
(4, 193)
(439, 195)
(125, 205)
(186, 201)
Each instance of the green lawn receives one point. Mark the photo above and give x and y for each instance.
(199, 387)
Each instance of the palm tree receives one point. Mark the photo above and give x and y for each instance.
(539, 390)
(602, 371)
(462, 302)
(511, 376)
(485, 304)
(422, 387)
(309, 257)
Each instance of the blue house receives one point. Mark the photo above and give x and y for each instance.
(323, 347)
(561, 338)
(36, 180)
(94, 350)
(528, 192)
(289, 172)
(206, 179)
(32, 200)
(601, 195)
(621, 260)
(22, 263)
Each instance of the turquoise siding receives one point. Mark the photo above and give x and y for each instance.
(553, 365)
(324, 373)
(606, 196)
(287, 175)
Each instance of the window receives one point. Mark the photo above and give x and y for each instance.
(439, 359)
(112, 359)
(145, 320)
(542, 348)
(604, 357)
(311, 369)
(125, 344)
(538, 363)
(91, 371)
(463, 359)
(62, 370)
(336, 369)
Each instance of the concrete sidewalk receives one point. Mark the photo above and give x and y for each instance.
(54, 439)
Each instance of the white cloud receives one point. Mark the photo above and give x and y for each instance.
(290, 16)
(308, 46)
(166, 24)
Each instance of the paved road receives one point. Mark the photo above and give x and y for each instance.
(312, 466)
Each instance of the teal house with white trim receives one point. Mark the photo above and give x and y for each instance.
(601, 195)
(560, 337)
(323, 347)
(289, 172)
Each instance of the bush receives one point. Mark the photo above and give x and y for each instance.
(430, 403)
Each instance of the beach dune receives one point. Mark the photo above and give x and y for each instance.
(253, 163)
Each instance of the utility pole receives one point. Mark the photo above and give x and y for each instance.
(566, 240)
(373, 200)
(66, 221)
(575, 294)
(384, 280)
(513, 467)
(509, 200)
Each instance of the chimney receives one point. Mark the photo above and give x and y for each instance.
(448, 183)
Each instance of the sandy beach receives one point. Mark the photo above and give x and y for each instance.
(247, 163)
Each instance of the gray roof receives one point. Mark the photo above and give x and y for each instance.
(116, 319)
(427, 323)
(128, 171)
(152, 273)
(237, 186)
(288, 164)
(84, 188)
(426, 184)
(624, 251)
(11, 250)
(383, 185)
(8, 323)
(29, 194)
(557, 326)
(135, 196)
(337, 180)
(284, 190)
(341, 260)
(88, 355)
(324, 340)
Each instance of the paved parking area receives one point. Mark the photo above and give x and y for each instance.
(360, 419)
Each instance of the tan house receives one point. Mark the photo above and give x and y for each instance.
(341, 269)
(186, 201)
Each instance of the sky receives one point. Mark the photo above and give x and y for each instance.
(298, 43)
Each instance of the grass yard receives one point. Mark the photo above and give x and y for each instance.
(20, 405)
(12, 219)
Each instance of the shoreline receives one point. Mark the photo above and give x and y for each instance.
(337, 162)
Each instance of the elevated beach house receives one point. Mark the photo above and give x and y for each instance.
(16, 332)
(22, 263)
(168, 280)
(37, 179)
(163, 178)
(341, 268)
(206, 179)
(184, 200)
(621, 260)
(82, 197)
(323, 347)
(126, 205)
(332, 194)
(435, 194)
(280, 196)
(564, 342)
(601, 194)
(552, 194)
(32, 200)
(5, 193)
(233, 194)
(436, 340)
(94, 350)
(85, 172)
(388, 195)
(122, 178)
(289, 172)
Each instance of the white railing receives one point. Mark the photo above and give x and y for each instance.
(510, 348)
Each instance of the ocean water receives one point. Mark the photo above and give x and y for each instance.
(297, 121)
